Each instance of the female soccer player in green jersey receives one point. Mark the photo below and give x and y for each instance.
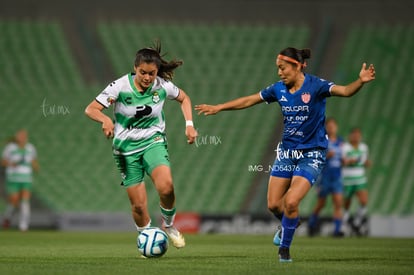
(355, 160)
(139, 144)
(20, 159)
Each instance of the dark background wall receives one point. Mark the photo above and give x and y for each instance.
(323, 16)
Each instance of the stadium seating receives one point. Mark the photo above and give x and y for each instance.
(37, 54)
(42, 90)
(78, 173)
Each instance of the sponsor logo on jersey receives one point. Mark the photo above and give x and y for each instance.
(110, 99)
(128, 100)
(155, 97)
(283, 98)
(142, 111)
(299, 108)
(306, 97)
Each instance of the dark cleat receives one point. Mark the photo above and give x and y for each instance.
(284, 255)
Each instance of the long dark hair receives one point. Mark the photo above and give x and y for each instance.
(153, 55)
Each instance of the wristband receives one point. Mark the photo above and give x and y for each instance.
(189, 123)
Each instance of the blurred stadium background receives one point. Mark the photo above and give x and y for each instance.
(56, 57)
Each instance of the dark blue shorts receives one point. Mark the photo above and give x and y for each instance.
(329, 186)
(307, 163)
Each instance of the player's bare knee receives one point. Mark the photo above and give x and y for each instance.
(138, 208)
(291, 205)
(166, 190)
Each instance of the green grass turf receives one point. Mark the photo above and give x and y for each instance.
(40, 252)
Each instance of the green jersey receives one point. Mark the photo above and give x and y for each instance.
(139, 116)
(21, 158)
(354, 174)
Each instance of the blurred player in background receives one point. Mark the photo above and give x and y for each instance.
(139, 142)
(20, 159)
(355, 160)
(330, 181)
(301, 154)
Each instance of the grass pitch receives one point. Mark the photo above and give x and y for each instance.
(49, 252)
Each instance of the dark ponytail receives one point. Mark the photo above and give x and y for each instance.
(299, 56)
(153, 55)
(305, 53)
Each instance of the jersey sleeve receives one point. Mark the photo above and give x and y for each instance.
(172, 90)
(364, 156)
(345, 149)
(6, 152)
(109, 95)
(269, 94)
(325, 87)
(33, 151)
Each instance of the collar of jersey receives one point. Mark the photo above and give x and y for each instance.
(131, 83)
(303, 84)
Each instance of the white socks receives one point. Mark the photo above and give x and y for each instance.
(9, 212)
(362, 211)
(168, 216)
(24, 218)
(141, 228)
(24, 215)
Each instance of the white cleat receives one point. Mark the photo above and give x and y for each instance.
(175, 236)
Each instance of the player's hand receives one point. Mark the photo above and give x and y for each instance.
(191, 134)
(366, 75)
(108, 128)
(207, 109)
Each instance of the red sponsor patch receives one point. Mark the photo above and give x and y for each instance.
(306, 97)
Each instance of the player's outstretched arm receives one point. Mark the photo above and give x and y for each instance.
(236, 104)
(94, 111)
(186, 108)
(365, 75)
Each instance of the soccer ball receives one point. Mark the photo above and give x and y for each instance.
(152, 242)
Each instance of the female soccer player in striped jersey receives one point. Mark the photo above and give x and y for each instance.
(139, 143)
(20, 159)
(355, 161)
(302, 152)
